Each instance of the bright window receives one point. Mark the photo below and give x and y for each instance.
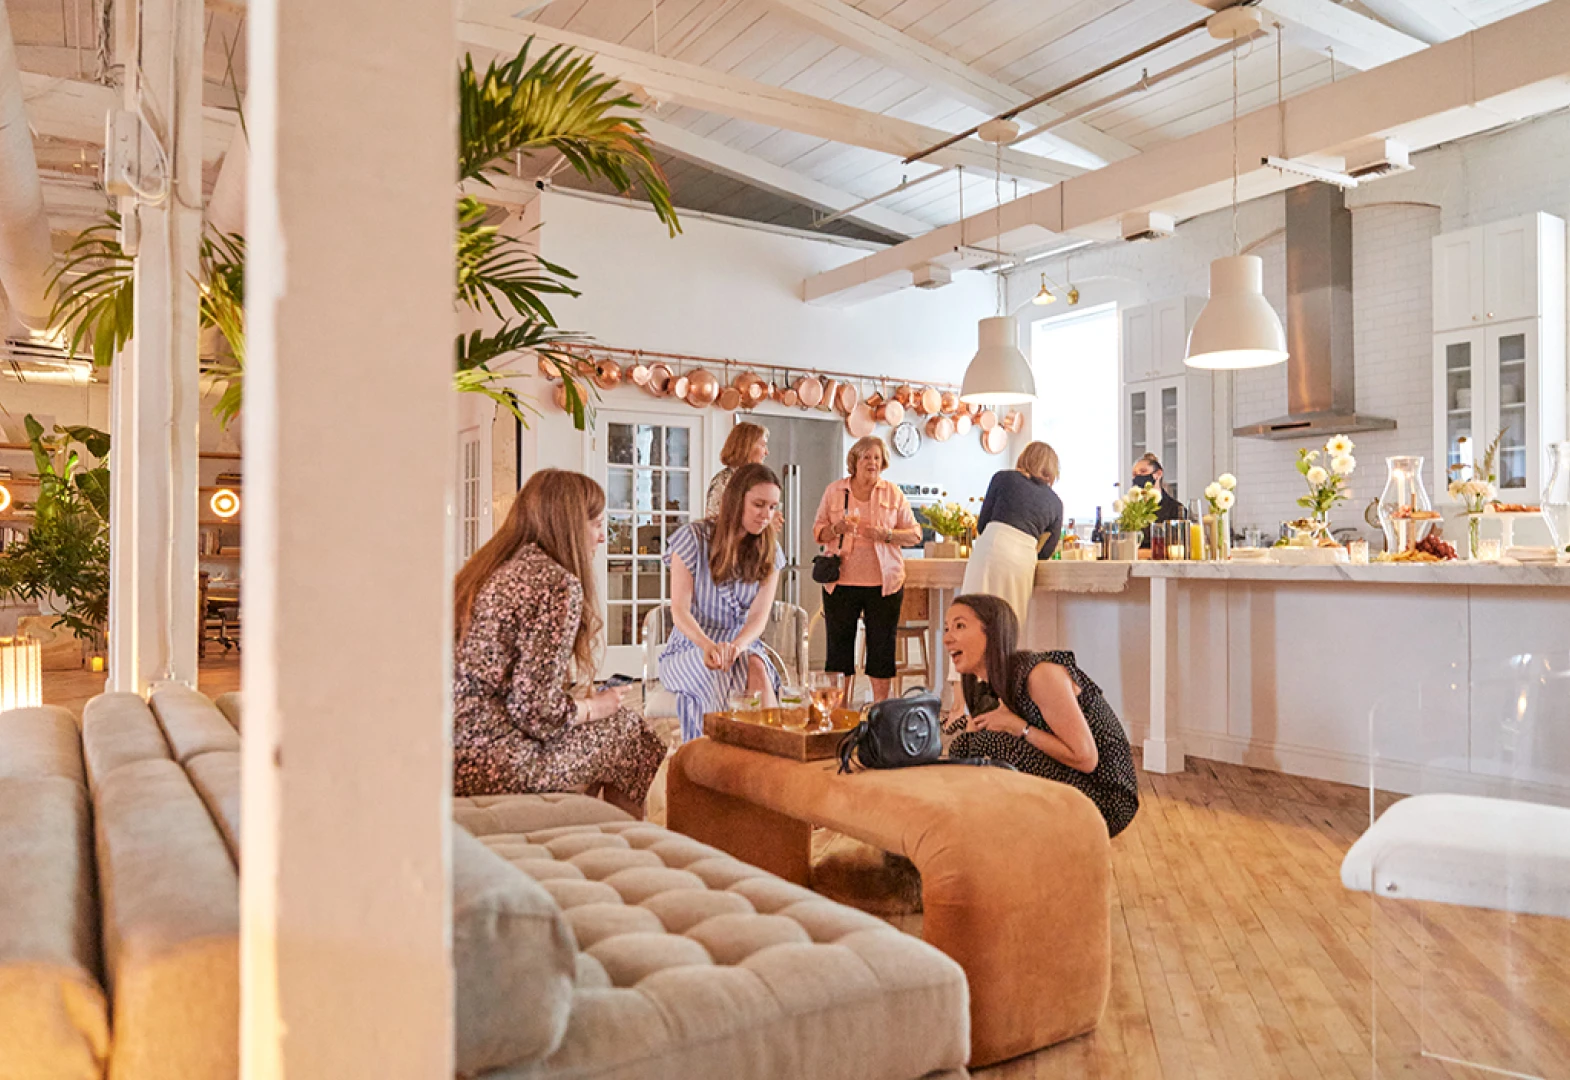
(1075, 358)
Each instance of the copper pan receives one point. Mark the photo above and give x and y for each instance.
(679, 387)
(994, 441)
(639, 374)
(548, 369)
(950, 402)
(972, 407)
(702, 388)
(940, 428)
(559, 395)
(860, 422)
(753, 389)
(775, 392)
(584, 368)
(607, 374)
(809, 391)
(891, 413)
(846, 400)
(929, 402)
(962, 423)
(987, 420)
(831, 394)
(788, 397)
(1013, 422)
(730, 399)
(905, 396)
(661, 380)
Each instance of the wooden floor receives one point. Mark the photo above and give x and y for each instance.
(1237, 953)
(217, 674)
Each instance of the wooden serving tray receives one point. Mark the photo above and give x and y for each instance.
(781, 732)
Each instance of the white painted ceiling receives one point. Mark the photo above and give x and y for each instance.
(1025, 47)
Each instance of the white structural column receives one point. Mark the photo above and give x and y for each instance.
(157, 395)
(1163, 753)
(346, 782)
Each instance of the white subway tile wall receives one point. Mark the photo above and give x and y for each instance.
(1482, 179)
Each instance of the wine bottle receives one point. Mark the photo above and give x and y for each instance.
(1095, 533)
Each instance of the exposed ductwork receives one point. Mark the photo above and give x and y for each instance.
(25, 255)
(1321, 376)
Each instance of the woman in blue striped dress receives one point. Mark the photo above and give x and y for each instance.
(724, 573)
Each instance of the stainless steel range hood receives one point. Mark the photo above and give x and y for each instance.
(1321, 385)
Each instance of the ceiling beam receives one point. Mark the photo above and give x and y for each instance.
(1075, 143)
(1510, 70)
(490, 23)
(1323, 25)
(74, 110)
(1432, 21)
(753, 170)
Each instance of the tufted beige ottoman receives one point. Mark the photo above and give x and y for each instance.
(692, 963)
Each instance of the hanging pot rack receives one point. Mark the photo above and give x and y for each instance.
(777, 373)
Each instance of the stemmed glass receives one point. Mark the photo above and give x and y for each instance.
(828, 690)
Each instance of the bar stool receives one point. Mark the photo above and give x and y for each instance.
(914, 618)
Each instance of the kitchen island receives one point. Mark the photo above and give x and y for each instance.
(1279, 666)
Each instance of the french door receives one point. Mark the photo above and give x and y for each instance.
(651, 465)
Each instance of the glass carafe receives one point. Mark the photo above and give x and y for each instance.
(1405, 512)
(1556, 495)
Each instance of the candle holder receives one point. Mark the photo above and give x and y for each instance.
(1405, 513)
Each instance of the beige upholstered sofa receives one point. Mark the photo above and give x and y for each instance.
(585, 944)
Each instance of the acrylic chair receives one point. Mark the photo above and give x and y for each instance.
(1469, 873)
(785, 638)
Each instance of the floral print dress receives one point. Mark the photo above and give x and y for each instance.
(513, 729)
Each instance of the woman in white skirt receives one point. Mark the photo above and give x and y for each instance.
(1021, 522)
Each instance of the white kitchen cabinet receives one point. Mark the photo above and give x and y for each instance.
(1505, 380)
(1170, 418)
(1155, 338)
(1499, 273)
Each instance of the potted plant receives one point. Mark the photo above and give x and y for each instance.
(1136, 512)
(952, 521)
(1326, 486)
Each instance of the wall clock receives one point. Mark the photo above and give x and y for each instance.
(907, 440)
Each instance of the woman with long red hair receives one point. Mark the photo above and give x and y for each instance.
(527, 628)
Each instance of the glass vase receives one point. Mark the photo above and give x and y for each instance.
(1474, 521)
(1405, 512)
(1218, 537)
(1556, 495)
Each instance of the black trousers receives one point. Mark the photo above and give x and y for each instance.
(842, 608)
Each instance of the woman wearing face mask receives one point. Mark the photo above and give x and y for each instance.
(1147, 471)
(1037, 710)
(866, 519)
(724, 573)
(1021, 521)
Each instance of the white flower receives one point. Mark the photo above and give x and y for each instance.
(1228, 481)
(1343, 464)
(1317, 476)
(1310, 455)
(1212, 490)
(1117, 506)
(1339, 446)
(1225, 500)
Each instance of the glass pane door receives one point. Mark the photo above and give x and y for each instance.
(648, 496)
(1170, 466)
(1460, 409)
(1137, 439)
(1510, 356)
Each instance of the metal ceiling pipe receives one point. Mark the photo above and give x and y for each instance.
(25, 255)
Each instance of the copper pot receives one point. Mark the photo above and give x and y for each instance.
(891, 413)
(962, 423)
(831, 393)
(559, 395)
(929, 402)
(702, 388)
(548, 369)
(639, 374)
(607, 374)
(809, 391)
(1013, 422)
(860, 422)
(994, 441)
(904, 395)
(950, 402)
(940, 427)
(752, 389)
(730, 399)
(584, 368)
(788, 397)
(987, 420)
(774, 393)
(661, 380)
(679, 386)
(972, 407)
(846, 400)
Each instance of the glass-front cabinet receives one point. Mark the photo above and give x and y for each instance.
(1494, 383)
(1171, 419)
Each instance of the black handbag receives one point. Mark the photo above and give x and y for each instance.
(897, 733)
(826, 568)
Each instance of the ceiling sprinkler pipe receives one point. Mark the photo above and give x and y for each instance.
(25, 254)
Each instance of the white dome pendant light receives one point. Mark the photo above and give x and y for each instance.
(1237, 328)
(998, 374)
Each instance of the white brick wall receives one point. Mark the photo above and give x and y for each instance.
(1486, 178)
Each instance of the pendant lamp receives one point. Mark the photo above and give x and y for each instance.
(1237, 328)
(998, 374)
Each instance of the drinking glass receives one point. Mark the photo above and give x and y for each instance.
(1488, 549)
(746, 700)
(1357, 551)
(828, 690)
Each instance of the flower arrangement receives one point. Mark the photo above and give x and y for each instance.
(1474, 495)
(1137, 510)
(1221, 493)
(1326, 486)
(949, 519)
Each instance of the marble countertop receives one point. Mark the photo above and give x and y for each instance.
(1055, 574)
(1446, 573)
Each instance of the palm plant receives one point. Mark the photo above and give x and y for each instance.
(553, 102)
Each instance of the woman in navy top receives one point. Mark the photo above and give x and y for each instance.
(1021, 522)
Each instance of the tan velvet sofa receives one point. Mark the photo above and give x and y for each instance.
(585, 944)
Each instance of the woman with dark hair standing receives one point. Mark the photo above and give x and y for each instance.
(747, 444)
(866, 520)
(724, 573)
(527, 627)
(1037, 710)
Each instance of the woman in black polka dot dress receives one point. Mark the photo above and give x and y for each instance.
(1050, 721)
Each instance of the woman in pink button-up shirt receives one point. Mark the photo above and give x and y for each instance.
(866, 520)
